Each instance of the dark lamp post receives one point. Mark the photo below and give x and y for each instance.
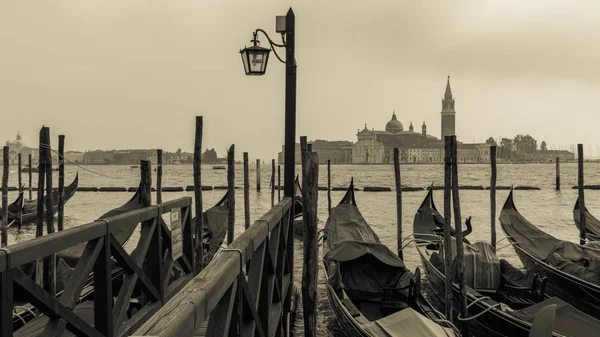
(255, 59)
(255, 63)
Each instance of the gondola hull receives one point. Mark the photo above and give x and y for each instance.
(584, 295)
(493, 323)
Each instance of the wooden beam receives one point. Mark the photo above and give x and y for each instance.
(448, 227)
(125, 261)
(61, 182)
(398, 181)
(493, 194)
(230, 194)
(5, 164)
(103, 294)
(159, 172)
(310, 183)
(198, 225)
(580, 185)
(6, 297)
(246, 193)
(459, 238)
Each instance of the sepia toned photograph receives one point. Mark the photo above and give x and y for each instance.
(304, 168)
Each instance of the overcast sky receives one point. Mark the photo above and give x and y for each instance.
(134, 74)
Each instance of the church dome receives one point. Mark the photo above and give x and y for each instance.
(394, 125)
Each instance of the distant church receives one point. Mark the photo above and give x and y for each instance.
(374, 146)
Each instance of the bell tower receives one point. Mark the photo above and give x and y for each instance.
(424, 129)
(448, 113)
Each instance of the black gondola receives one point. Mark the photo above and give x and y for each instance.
(498, 303)
(28, 208)
(592, 224)
(371, 291)
(571, 269)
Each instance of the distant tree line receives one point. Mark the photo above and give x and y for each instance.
(522, 147)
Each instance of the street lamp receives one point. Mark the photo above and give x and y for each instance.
(255, 60)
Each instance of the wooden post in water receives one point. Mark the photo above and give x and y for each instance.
(557, 173)
(309, 147)
(278, 183)
(493, 194)
(580, 184)
(21, 189)
(246, 193)
(272, 183)
(303, 149)
(30, 178)
(159, 171)
(258, 174)
(231, 194)
(5, 163)
(199, 263)
(39, 230)
(328, 186)
(61, 182)
(447, 226)
(459, 239)
(398, 180)
(310, 183)
(49, 268)
(19, 174)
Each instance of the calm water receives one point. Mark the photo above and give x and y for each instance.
(546, 208)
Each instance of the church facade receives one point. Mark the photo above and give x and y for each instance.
(376, 147)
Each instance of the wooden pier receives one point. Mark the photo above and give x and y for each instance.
(112, 302)
(246, 290)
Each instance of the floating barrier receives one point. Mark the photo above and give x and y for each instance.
(412, 189)
(376, 189)
(588, 187)
(112, 189)
(220, 187)
(172, 189)
(471, 187)
(12, 188)
(82, 189)
(526, 188)
(322, 188)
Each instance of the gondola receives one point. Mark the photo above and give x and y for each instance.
(571, 269)
(592, 224)
(215, 228)
(371, 291)
(29, 207)
(500, 303)
(298, 222)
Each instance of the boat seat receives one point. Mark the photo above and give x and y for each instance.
(396, 299)
(351, 307)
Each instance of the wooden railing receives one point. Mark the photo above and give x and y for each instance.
(149, 267)
(246, 289)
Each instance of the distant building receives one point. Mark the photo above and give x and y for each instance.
(375, 146)
(339, 152)
(75, 157)
(18, 146)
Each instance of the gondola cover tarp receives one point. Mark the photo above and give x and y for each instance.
(568, 320)
(580, 261)
(345, 223)
(406, 323)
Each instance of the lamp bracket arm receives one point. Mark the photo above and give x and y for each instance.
(273, 44)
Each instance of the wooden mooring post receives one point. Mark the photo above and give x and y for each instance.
(493, 194)
(61, 182)
(198, 226)
(278, 183)
(21, 190)
(30, 177)
(580, 183)
(258, 174)
(50, 260)
(159, 172)
(310, 183)
(328, 186)
(460, 253)
(5, 164)
(246, 192)
(19, 173)
(272, 182)
(448, 226)
(398, 181)
(557, 173)
(231, 194)
(39, 230)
